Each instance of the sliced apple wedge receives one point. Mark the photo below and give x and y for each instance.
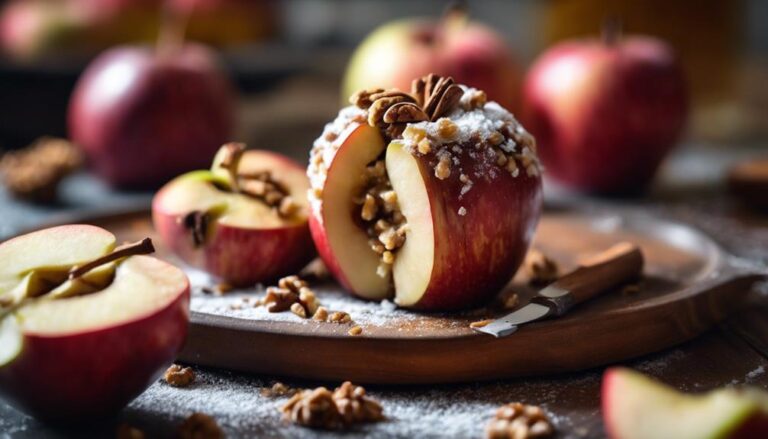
(636, 407)
(339, 240)
(87, 346)
(460, 248)
(241, 239)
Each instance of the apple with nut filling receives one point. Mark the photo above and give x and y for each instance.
(244, 221)
(432, 195)
(84, 326)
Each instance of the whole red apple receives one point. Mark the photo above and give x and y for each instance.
(144, 116)
(470, 52)
(605, 113)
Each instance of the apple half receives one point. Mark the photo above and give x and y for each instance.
(636, 407)
(461, 247)
(243, 240)
(74, 347)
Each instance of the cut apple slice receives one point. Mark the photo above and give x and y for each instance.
(243, 240)
(461, 245)
(636, 407)
(87, 346)
(339, 239)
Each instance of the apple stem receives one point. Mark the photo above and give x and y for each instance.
(455, 17)
(233, 152)
(142, 247)
(172, 30)
(611, 31)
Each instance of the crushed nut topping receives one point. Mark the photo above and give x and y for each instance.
(34, 173)
(293, 294)
(278, 389)
(381, 216)
(355, 330)
(339, 317)
(320, 408)
(519, 421)
(259, 185)
(178, 376)
(200, 426)
(539, 269)
(125, 431)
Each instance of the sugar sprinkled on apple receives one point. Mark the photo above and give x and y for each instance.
(432, 196)
(605, 112)
(85, 327)
(244, 221)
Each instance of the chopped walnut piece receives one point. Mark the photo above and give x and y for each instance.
(279, 299)
(278, 389)
(446, 129)
(519, 421)
(443, 168)
(355, 330)
(178, 376)
(480, 323)
(200, 426)
(354, 406)
(424, 146)
(539, 268)
(339, 317)
(320, 408)
(298, 309)
(125, 431)
(313, 408)
(321, 314)
(510, 301)
(34, 173)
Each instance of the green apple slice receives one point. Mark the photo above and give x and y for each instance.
(636, 407)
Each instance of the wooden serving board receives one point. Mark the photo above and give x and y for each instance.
(690, 284)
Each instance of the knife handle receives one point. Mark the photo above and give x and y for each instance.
(621, 263)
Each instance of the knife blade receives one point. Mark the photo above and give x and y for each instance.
(599, 274)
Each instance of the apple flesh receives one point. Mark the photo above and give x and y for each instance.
(636, 407)
(605, 113)
(470, 52)
(246, 241)
(449, 260)
(131, 315)
(142, 117)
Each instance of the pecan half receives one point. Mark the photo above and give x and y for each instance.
(404, 112)
(362, 98)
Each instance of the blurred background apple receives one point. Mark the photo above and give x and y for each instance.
(143, 115)
(471, 52)
(605, 112)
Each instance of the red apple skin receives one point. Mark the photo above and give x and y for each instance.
(86, 376)
(143, 117)
(237, 255)
(323, 246)
(478, 253)
(605, 115)
(471, 53)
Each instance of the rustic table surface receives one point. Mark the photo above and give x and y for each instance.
(689, 190)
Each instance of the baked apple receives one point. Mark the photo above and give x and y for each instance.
(85, 327)
(431, 196)
(243, 221)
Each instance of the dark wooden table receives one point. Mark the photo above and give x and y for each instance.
(689, 190)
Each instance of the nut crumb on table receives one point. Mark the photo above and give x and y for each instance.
(355, 330)
(539, 268)
(178, 376)
(200, 426)
(480, 323)
(320, 408)
(519, 421)
(279, 389)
